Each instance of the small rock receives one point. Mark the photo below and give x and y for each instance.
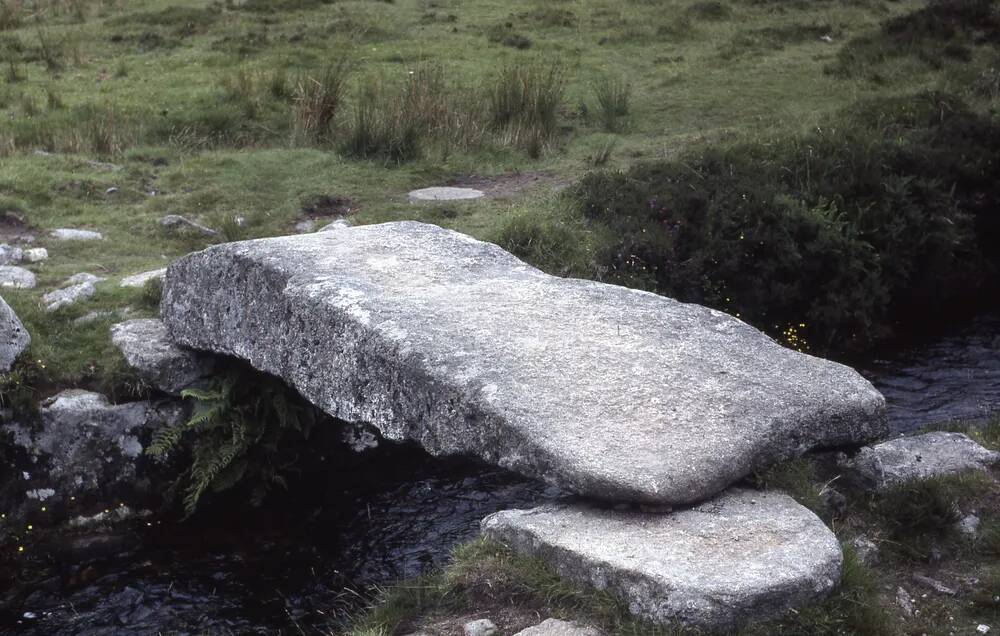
(10, 255)
(556, 627)
(866, 550)
(826, 38)
(14, 338)
(339, 224)
(445, 194)
(359, 437)
(91, 316)
(82, 277)
(36, 254)
(934, 584)
(919, 457)
(983, 629)
(148, 349)
(140, 279)
(55, 300)
(905, 601)
(178, 222)
(304, 227)
(111, 190)
(15, 277)
(968, 525)
(70, 234)
(482, 627)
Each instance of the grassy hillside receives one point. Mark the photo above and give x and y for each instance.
(253, 116)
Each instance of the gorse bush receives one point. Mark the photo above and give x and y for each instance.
(887, 213)
(245, 429)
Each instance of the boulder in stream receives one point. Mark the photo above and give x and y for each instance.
(435, 337)
(84, 446)
(740, 557)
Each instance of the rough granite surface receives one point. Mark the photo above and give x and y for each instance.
(160, 363)
(14, 338)
(84, 445)
(743, 556)
(556, 627)
(932, 454)
(435, 337)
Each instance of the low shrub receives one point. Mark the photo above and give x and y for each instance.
(828, 241)
(942, 30)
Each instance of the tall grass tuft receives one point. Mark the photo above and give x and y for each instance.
(385, 126)
(613, 101)
(524, 102)
(316, 102)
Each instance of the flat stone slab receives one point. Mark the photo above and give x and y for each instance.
(159, 362)
(556, 627)
(744, 556)
(70, 234)
(445, 194)
(897, 461)
(14, 338)
(14, 277)
(435, 337)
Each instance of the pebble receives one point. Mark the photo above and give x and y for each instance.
(482, 627)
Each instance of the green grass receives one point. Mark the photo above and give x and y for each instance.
(216, 110)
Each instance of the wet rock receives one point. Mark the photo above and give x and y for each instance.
(556, 627)
(160, 363)
(743, 556)
(481, 627)
(70, 234)
(445, 194)
(14, 338)
(83, 445)
(179, 223)
(15, 277)
(919, 457)
(435, 337)
(59, 298)
(140, 279)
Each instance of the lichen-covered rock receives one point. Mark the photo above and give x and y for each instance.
(740, 557)
(932, 454)
(14, 338)
(16, 277)
(160, 363)
(556, 627)
(72, 234)
(140, 279)
(66, 296)
(433, 336)
(82, 445)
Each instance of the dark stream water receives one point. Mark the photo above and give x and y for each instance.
(299, 566)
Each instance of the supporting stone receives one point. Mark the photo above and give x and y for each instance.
(743, 556)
